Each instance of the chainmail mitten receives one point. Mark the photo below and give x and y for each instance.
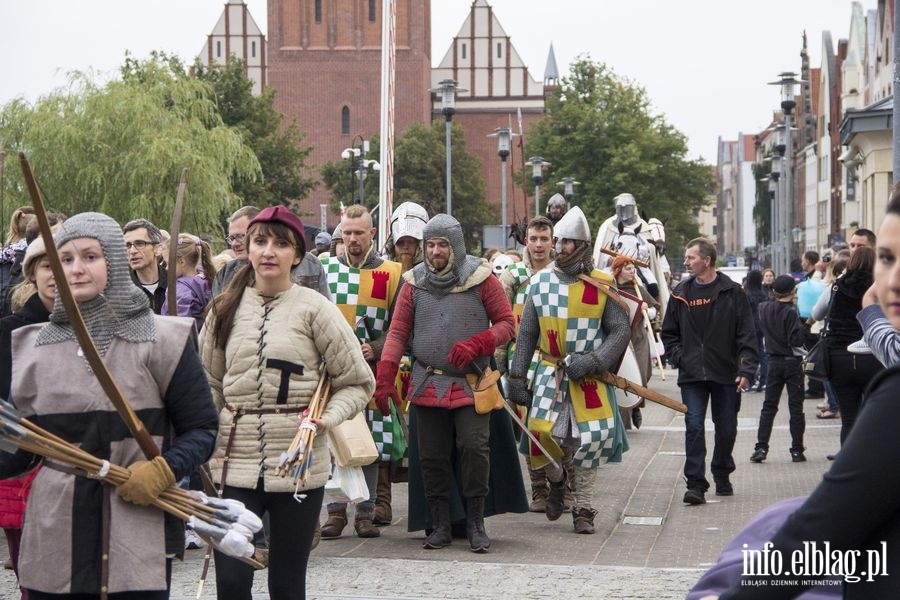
(519, 392)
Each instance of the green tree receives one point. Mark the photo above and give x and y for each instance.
(419, 176)
(279, 148)
(762, 209)
(599, 128)
(119, 148)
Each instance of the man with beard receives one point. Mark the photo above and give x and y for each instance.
(454, 314)
(538, 255)
(405, 244)
(574, 317)
(364, 287)
(556, 208)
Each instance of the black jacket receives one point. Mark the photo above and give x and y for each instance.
(855, 508)
(159, 296)
(780, 324)
(719, 349)
(846, 302)
(33, 312)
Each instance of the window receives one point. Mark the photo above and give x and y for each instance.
(499, 50)
(345, 121)
(318, 11)
(253, 49)
(464, 52)
(218, 49)
(372, 10)
(714, 230)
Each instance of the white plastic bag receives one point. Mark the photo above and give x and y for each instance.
(347, 484)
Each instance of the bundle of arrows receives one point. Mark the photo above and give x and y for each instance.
(297, 460)
(226, 524)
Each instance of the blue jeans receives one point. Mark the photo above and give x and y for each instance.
(726, 402)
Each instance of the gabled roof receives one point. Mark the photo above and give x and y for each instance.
(878, 116)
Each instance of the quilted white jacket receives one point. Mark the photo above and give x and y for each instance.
(271, 360)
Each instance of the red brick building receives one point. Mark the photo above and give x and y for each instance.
(324, 61)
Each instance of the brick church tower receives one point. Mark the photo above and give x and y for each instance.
(324, 61)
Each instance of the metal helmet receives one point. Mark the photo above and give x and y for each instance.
(626, 208)
(408, 219)
(572, 226)
(556, 199)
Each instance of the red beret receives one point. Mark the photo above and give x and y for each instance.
(281, 214)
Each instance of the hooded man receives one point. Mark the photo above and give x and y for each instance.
(454, 314)
(574, 317)
(556, 208)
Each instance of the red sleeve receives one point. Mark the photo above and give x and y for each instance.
(401, 326)
(496, 304)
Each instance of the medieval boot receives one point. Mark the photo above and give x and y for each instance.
(556, 498)
(335, 524)
(383, 514)
(440, 522)
(539, 490)
(478, 538)
(583, 519)
(363, 523)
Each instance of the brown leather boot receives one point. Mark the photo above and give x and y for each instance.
(556, 498)
(583, 519)
(335, 524)
(383, 514)
(539, 490)
(363, 524)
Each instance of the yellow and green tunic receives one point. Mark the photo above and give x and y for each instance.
(365, 296)
(569, 315)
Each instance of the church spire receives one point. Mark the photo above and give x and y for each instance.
(551, 72)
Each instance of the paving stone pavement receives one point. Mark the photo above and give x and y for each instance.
(534, 558)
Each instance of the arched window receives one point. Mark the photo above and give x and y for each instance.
(345, 120)
(372, 10)
(318, 11)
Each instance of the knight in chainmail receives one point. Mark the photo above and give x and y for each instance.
(154, 362)
(573, 316)
(454, 314)
(404, 245)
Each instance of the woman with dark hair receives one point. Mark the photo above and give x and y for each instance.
(262, 345)
(849, 373)
(855, 509)
(757, 295)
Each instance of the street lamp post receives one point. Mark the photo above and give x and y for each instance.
(787, 80)
(504, 137)
(568, 184)
(448, 90)
(537, 175)
(355, 154)
(773, 204)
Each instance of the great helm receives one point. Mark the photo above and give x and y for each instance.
(626, 208)
(408, 219)
(572, 226)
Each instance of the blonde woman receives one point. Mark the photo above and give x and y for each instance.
(194, 270)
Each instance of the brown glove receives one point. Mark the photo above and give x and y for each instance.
(148, 480)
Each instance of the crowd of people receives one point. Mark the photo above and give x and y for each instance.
(408, 335)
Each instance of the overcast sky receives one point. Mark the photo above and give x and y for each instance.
(704, 63)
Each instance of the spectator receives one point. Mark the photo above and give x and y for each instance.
(237, 232)
(756, 295)
(142, 238)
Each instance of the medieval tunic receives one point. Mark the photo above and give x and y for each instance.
(53, 386)
(365, 296)
(271, 361)
(570, 317)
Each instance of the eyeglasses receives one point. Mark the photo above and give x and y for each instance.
(236, 238)
(139, 244)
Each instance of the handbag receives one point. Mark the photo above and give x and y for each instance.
(485, 390)
(815, 364)
(351, 443)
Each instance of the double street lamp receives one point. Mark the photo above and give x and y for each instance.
(787, 80)
(537, 176)
(360, 165)
(448, 89)
(504, 139)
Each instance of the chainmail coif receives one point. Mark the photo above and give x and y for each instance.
(122, 309)
(579, 261)
(459, 268)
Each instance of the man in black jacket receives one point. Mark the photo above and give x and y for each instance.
(709, 336)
